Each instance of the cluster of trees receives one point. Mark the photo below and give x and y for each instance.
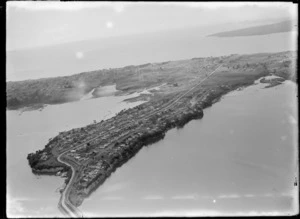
(33, 159)
(52, 90)
(59, 89)
(66, 89)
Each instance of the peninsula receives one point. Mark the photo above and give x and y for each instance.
(88, 155)
(281, 27)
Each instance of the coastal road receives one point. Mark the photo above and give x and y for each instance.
(165, 107)
(64, 204)
(175, 101)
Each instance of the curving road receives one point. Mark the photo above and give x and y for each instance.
(65, 206)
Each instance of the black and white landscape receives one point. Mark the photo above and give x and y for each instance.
(151, 109)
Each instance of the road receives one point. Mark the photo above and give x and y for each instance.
(66, 207)
(64, 203)
(175, 101)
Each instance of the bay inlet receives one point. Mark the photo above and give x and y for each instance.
(36, 196)
(240, 158)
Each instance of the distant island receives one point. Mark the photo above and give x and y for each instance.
(88, 155)
(284, 26)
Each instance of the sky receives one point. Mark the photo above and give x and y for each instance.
(34, 24)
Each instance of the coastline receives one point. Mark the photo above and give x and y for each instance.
(100, 180)
(138, 127)
(127, 181)
(180, 124)
(151, 140)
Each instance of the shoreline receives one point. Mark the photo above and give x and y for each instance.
(100, 180)
(206, 104)
(125, 78)
(122, 193)
(180, 124)
(130, 130)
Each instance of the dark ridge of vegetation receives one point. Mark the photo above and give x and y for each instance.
(144, 65)
(146, 139)
(35, 93)
(236, 71)
(280, 27)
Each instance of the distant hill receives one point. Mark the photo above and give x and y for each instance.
(31, 93)
(285, 26)
(119, 51)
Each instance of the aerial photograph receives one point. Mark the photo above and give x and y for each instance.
(151, 109)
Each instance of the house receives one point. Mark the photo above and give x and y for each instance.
(44, 157)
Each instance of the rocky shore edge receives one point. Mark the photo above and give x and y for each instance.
(77, 198)
(212, 98)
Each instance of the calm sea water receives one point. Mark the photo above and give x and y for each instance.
(112, 53)
(240, 158)
(27, 194)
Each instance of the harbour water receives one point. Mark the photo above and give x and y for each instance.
(240, 158)
(146, 49)
(29, 195)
